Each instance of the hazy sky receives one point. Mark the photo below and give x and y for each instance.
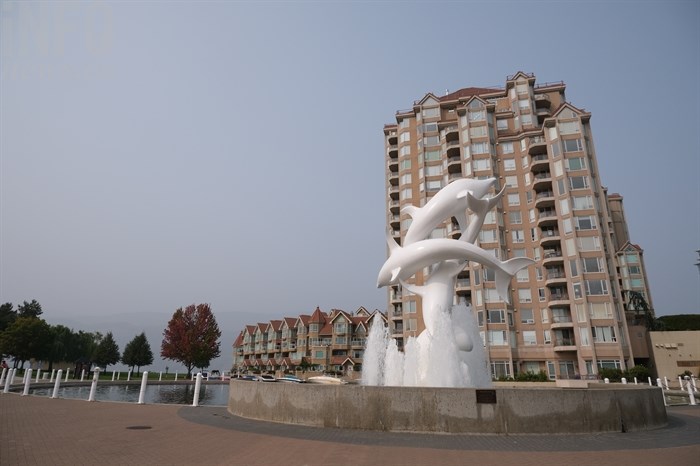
(159, 154)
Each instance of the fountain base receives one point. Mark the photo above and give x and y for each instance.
(500, 410)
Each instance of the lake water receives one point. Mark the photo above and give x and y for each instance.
(209, 395)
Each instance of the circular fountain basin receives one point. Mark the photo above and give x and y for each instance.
(521, 409)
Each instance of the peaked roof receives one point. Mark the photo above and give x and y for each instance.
(338, 313)
(263, 326)
(361, 311)
(304, 319)
(469, 92)
(326, 330)
(276, 325)
(290, 322)
(239, 340)
(318, 317)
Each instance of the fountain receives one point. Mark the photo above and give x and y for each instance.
(441, 383)
(444, 354)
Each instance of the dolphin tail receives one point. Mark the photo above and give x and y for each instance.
(480, 207)
(507, 271)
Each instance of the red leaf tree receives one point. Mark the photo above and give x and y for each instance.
(192, 337)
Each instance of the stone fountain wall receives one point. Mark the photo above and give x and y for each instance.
(601, 408)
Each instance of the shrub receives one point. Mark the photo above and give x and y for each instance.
(639, 371)
(614, 375)
(530, 376)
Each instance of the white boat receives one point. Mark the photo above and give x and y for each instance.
(325, 379)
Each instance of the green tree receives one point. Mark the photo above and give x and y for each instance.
(63, 340)
(26, 338)
(32, 309)
(7, 316)
(138, 353)
(192, 337)
(107, 352)
(83, 345)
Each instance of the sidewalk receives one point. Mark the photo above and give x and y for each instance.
(42, 431)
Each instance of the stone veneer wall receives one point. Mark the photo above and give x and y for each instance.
(600, 408)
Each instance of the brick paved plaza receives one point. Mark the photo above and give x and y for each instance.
(41, 431)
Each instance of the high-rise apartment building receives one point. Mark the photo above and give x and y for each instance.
(567, 313)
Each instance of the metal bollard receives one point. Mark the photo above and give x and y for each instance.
(692, 379)
(658, 384)
(38, 371)
(160, 376)
(606, 380)
(144, 382)
(67, 374)
(635, 380)
(128, 376)
(624, 381)
(175, 376)
(197, 387)
(53, 372)
(113, 374)
(680, 382)
(93, 387)
(2, 376)
(57, 384)
(666, 382)
(650, 384)
(118, 375)
(690, 392)
(27, 382)
(82, 375)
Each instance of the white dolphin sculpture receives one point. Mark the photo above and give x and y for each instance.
(451, 201)
(404, 262)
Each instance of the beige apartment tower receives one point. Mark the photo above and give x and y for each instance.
(567, 313)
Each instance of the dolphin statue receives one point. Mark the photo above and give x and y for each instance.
(451, 201)
(404, 262)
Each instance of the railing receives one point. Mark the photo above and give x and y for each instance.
(559, 297)
(454, 158)
(565, 342)
(452, 144)
(552, 253)
(543, 176)
(547, 213)
(542, 194)
(541, 157)
(561, 319)
(550, 233)
(537, 140)
(463, 283)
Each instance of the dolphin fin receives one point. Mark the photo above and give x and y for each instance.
(507, 271)
(395, 274)
(480, 207)
(463, 194)
(410, 210)
(415, 289)
(391, 242)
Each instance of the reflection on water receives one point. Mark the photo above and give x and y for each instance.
(210, 395)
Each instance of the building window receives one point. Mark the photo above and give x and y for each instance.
(604, 334)
(405, 137)
(405, 179)
(572, 145)
(497, 338)
(500, 369)
(431, 112)
(596, 287)
(431, 141)
(586, 222)
(578, 182)
(406, 194)
(583, 332)
(582, 202)
(515, 217)
(433, 170)
(609, 364)
(431, 155)
(506, 147)
(481, 164)
(518, 236)
(477, 131)
(496, 316)
(514, 199)
(512, 181)
(480, 148)
(502, 125)
(589, 243)
(509, 164)
(575, 163)
(524, 295)
(568, 127)
(478, 115)
(591, 264)
(523, 275)
(529, 337)
(526, 316)
(405, 164)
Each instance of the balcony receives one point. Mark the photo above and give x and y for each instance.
(539, 163)
(542, 181)
(544, 199)
(392, 138)
(547, 217)
(394, 192)
(463, 283)
(555, 276)
(559, 298)
(396, 297)
(392, 151)
(542, 101)
(358, 342)
(564, 344)
(550, 236)
(451, 133)
(394, 178)
(454, 164)
(394, 207)
(393, 165)
(562, 320)
(394, 221)
(552, 256)
(538, 146)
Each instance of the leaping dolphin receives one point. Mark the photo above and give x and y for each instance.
(451, 201)
(404, 262)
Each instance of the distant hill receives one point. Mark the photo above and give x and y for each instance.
(680, 322)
